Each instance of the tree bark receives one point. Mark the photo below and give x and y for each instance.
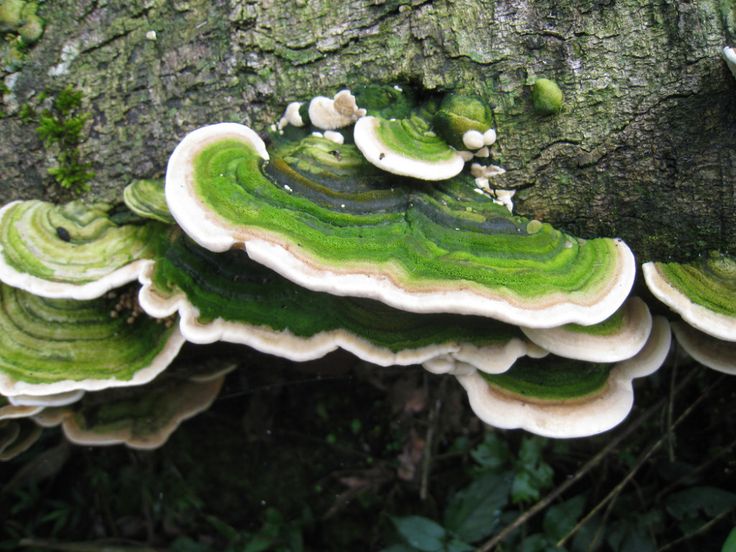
(645, 148)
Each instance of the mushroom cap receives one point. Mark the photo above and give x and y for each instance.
(142, 417)
(703, 292)
(45, 401)
(407, 147)
(228, 297)
(729, 54)
(333, 113)
(71, 251)
(561, 398)
(459, 114)
(55, 346)
(336, 227)
(146, 199)
(617, 338)
(707, 350)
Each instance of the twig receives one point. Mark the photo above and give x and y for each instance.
(429, 441)
(592, 463)
(638, 465)
(702, 529)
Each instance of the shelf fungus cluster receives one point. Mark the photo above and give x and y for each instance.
(703, 293)
(359, 227)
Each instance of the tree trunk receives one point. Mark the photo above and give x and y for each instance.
(645, 148)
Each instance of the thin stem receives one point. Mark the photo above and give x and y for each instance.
(700, 530)
(638, 465)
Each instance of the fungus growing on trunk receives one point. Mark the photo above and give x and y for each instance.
(563, 398)
(707, 350)
(617, 338)
(71, 251)
(16, 437)
(55, 346)
(703, 292)
(146, 199)
(332, 223)
(228, 297)
(331, 114)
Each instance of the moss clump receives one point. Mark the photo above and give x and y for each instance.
(547, 97)
(458, 114)
(61, 128)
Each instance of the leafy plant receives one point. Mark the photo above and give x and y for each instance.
(60, 127)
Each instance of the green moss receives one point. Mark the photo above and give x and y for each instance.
(61, 129)
(11, 15)
(547, 97)
(551, 379)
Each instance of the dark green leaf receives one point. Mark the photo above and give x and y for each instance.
(492, 453)
(730, 544)
(421, 533)
(689, 503)
(474, 512)
(561, 518)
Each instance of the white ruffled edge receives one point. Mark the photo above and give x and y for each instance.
(299, 349)
(624, 343)
(576, 419)
(713, 323)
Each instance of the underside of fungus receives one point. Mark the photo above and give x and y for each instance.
(146, 199)
(563, 398)
(228, 297)
(327, 220)
(72, 251)
(56, 346)
(709, 351)
(703, 292)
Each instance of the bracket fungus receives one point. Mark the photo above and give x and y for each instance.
(703, 292)
(146, 199)
(16, 437)
(141, 417)
(617, 338)
(71, 251)
(228, 297)
(709, 351)
(52, 346)
(563, 398)
(332, 223)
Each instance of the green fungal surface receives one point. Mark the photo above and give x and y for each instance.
(552, 379)
(231, 287)
(458, 114)
(146, 199)
(58, 345)
(334, 211)
(709, 282)
(142, 416)
(51, 250)
(413, 138)
(546, 96)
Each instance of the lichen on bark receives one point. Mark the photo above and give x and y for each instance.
(644, 149)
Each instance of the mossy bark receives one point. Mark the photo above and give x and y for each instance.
(644, 149)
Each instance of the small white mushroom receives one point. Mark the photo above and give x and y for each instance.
(729, 54)
(291, 116)
(466, 155)
(330, 114)
(483, 152)
(473, 140)
(489, 137)
(504, 197)
(334, 136)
